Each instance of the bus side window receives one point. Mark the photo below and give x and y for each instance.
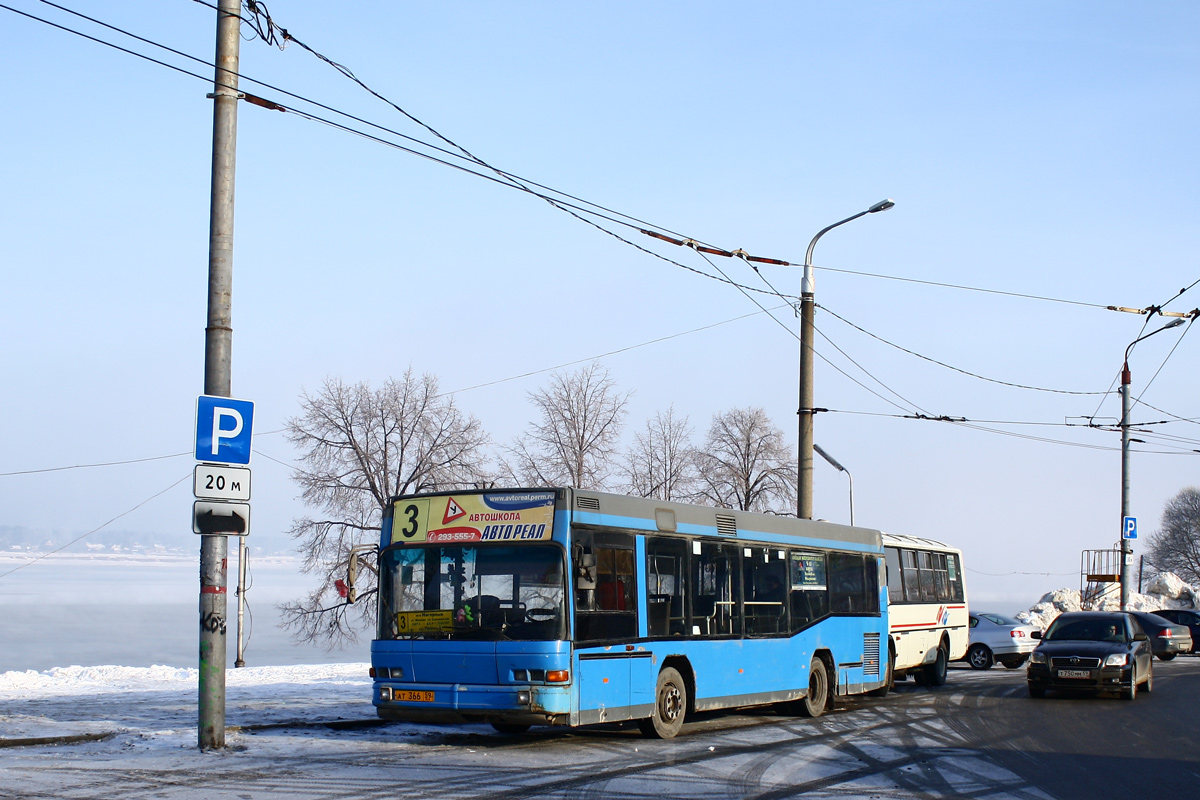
(846, 582)
(954, 576)
(912, 579)
(895, 576)
(809, 595)
(609, 610)
(716, 598)
(765, 584)
(665, 578)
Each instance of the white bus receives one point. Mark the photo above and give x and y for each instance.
(927, 607)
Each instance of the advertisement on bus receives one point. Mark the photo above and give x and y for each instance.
(511, 517)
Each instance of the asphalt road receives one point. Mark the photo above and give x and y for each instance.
(979, 736)
(1083, 746)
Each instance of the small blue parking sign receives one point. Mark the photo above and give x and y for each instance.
(223, 429)
(1129, 527)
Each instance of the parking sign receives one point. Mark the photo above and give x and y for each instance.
(1129, 527)
(223, 429)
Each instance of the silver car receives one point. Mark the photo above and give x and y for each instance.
(995, 637)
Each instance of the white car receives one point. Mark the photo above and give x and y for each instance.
(995, 637)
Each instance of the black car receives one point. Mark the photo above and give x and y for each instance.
(1181, 616)
(1166, 638)
(1100, 651)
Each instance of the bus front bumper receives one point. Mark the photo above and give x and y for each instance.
(458, 702)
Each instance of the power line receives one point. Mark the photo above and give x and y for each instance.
(95, 530)
(1146, 388)
(602, 355)
(827, 310)
(974, 425)
(90, 466)
(504, 178)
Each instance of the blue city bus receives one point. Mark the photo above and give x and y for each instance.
(569, 607)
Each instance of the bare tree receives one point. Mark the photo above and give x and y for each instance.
(574, 441)
(1176, 545)
(745, 463)
(360, 447)
(662, 461)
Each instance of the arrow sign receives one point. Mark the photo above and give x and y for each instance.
(221, 519)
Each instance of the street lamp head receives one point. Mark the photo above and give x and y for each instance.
(1175, 323)
(882, 205)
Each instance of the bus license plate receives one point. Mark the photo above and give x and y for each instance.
(410, 696)
(1074, 673)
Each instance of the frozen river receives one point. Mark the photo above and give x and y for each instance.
(142, 610)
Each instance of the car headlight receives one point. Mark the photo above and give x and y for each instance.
(1037, 658)
(1117, 660)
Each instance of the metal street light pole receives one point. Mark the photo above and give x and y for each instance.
(1126, 379)
(833, 462)
(804, 458)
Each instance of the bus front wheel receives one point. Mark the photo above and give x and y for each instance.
(670, 706)
(813, 704)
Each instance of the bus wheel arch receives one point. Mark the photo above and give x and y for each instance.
(683, 666)
(889, 677)
(935, 672)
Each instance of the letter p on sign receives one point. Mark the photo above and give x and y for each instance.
(220, 432)
(223, 429)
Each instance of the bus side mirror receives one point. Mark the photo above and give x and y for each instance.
(586, 572)
(351, 576)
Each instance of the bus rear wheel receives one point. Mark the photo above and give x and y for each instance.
(935, 673)
(813, 704)
(670, 706)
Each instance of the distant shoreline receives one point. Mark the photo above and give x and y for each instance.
(135, 558)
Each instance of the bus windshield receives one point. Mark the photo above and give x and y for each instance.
(467, 592)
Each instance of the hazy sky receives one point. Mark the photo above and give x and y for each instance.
(1035, 149)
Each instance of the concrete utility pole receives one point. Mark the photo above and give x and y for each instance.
(804, 456)
(1126, 380)
(218, 341)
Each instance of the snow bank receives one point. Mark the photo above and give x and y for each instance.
(1165, 591)
(66, 681)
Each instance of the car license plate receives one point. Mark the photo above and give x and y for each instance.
(1074, 673)
(410, 696)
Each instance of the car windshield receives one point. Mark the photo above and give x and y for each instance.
(1086, 630)
(1000, 619)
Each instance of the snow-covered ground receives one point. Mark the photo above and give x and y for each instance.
(158, 703)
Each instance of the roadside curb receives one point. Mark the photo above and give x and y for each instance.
(77, 738)
(337, 725)
(84, 738)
